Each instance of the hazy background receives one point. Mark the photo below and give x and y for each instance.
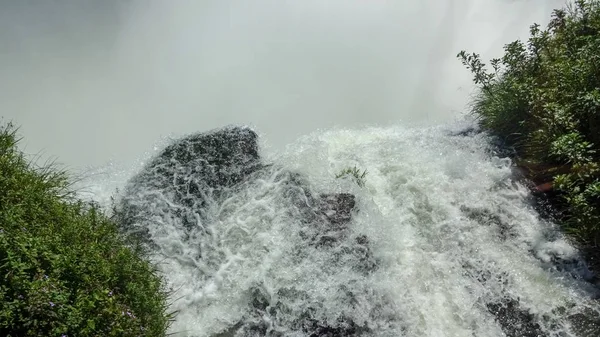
(93, 81)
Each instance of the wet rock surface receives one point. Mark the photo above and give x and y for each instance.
(198, 172)
(325, 228)
(191, 172)
(514, 321)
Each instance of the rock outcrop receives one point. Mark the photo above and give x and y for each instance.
(190, 173)
(198, 172)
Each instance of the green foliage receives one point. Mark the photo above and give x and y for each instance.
(543, 99)
(64, 269)
(353, 173)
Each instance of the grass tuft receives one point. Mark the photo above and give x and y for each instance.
(354, 173)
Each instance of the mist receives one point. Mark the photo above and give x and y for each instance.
(93, 81)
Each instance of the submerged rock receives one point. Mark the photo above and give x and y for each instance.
(515, 321)
(337, 207)
(191, 178)
(265, 311)
(487, 217)
(187, 175)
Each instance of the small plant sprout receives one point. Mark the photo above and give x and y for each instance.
(353, 173)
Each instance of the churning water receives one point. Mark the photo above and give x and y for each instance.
(442, 241)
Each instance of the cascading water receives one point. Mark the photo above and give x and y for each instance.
(441, 240)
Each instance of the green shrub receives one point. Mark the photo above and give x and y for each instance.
(543, 99)
(64, 269)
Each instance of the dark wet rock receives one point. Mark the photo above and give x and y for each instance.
(326, 220)
(188, 175)
(333, 212)
(469, 131)
(573, 266)
(591, 254)
(586, 323)
(222, 158)
(196, 173)
(486, 277)
(194, 164)
(488, 218)
(546, 200)
(325, 217)
(329, 230)
(309, 327)
(337, 208)
(344, 327)
(515, 321)
(265, 310)
(358, 251)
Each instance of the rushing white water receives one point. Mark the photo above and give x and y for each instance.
(454, 236)
(453, 245)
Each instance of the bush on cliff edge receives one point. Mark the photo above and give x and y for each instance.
(542, 98)
(64, 269)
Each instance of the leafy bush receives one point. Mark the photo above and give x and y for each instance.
(64, 269)
(543, 99)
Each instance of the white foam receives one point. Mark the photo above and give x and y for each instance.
(420, 187)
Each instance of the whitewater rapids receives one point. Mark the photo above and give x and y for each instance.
(454, 234)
